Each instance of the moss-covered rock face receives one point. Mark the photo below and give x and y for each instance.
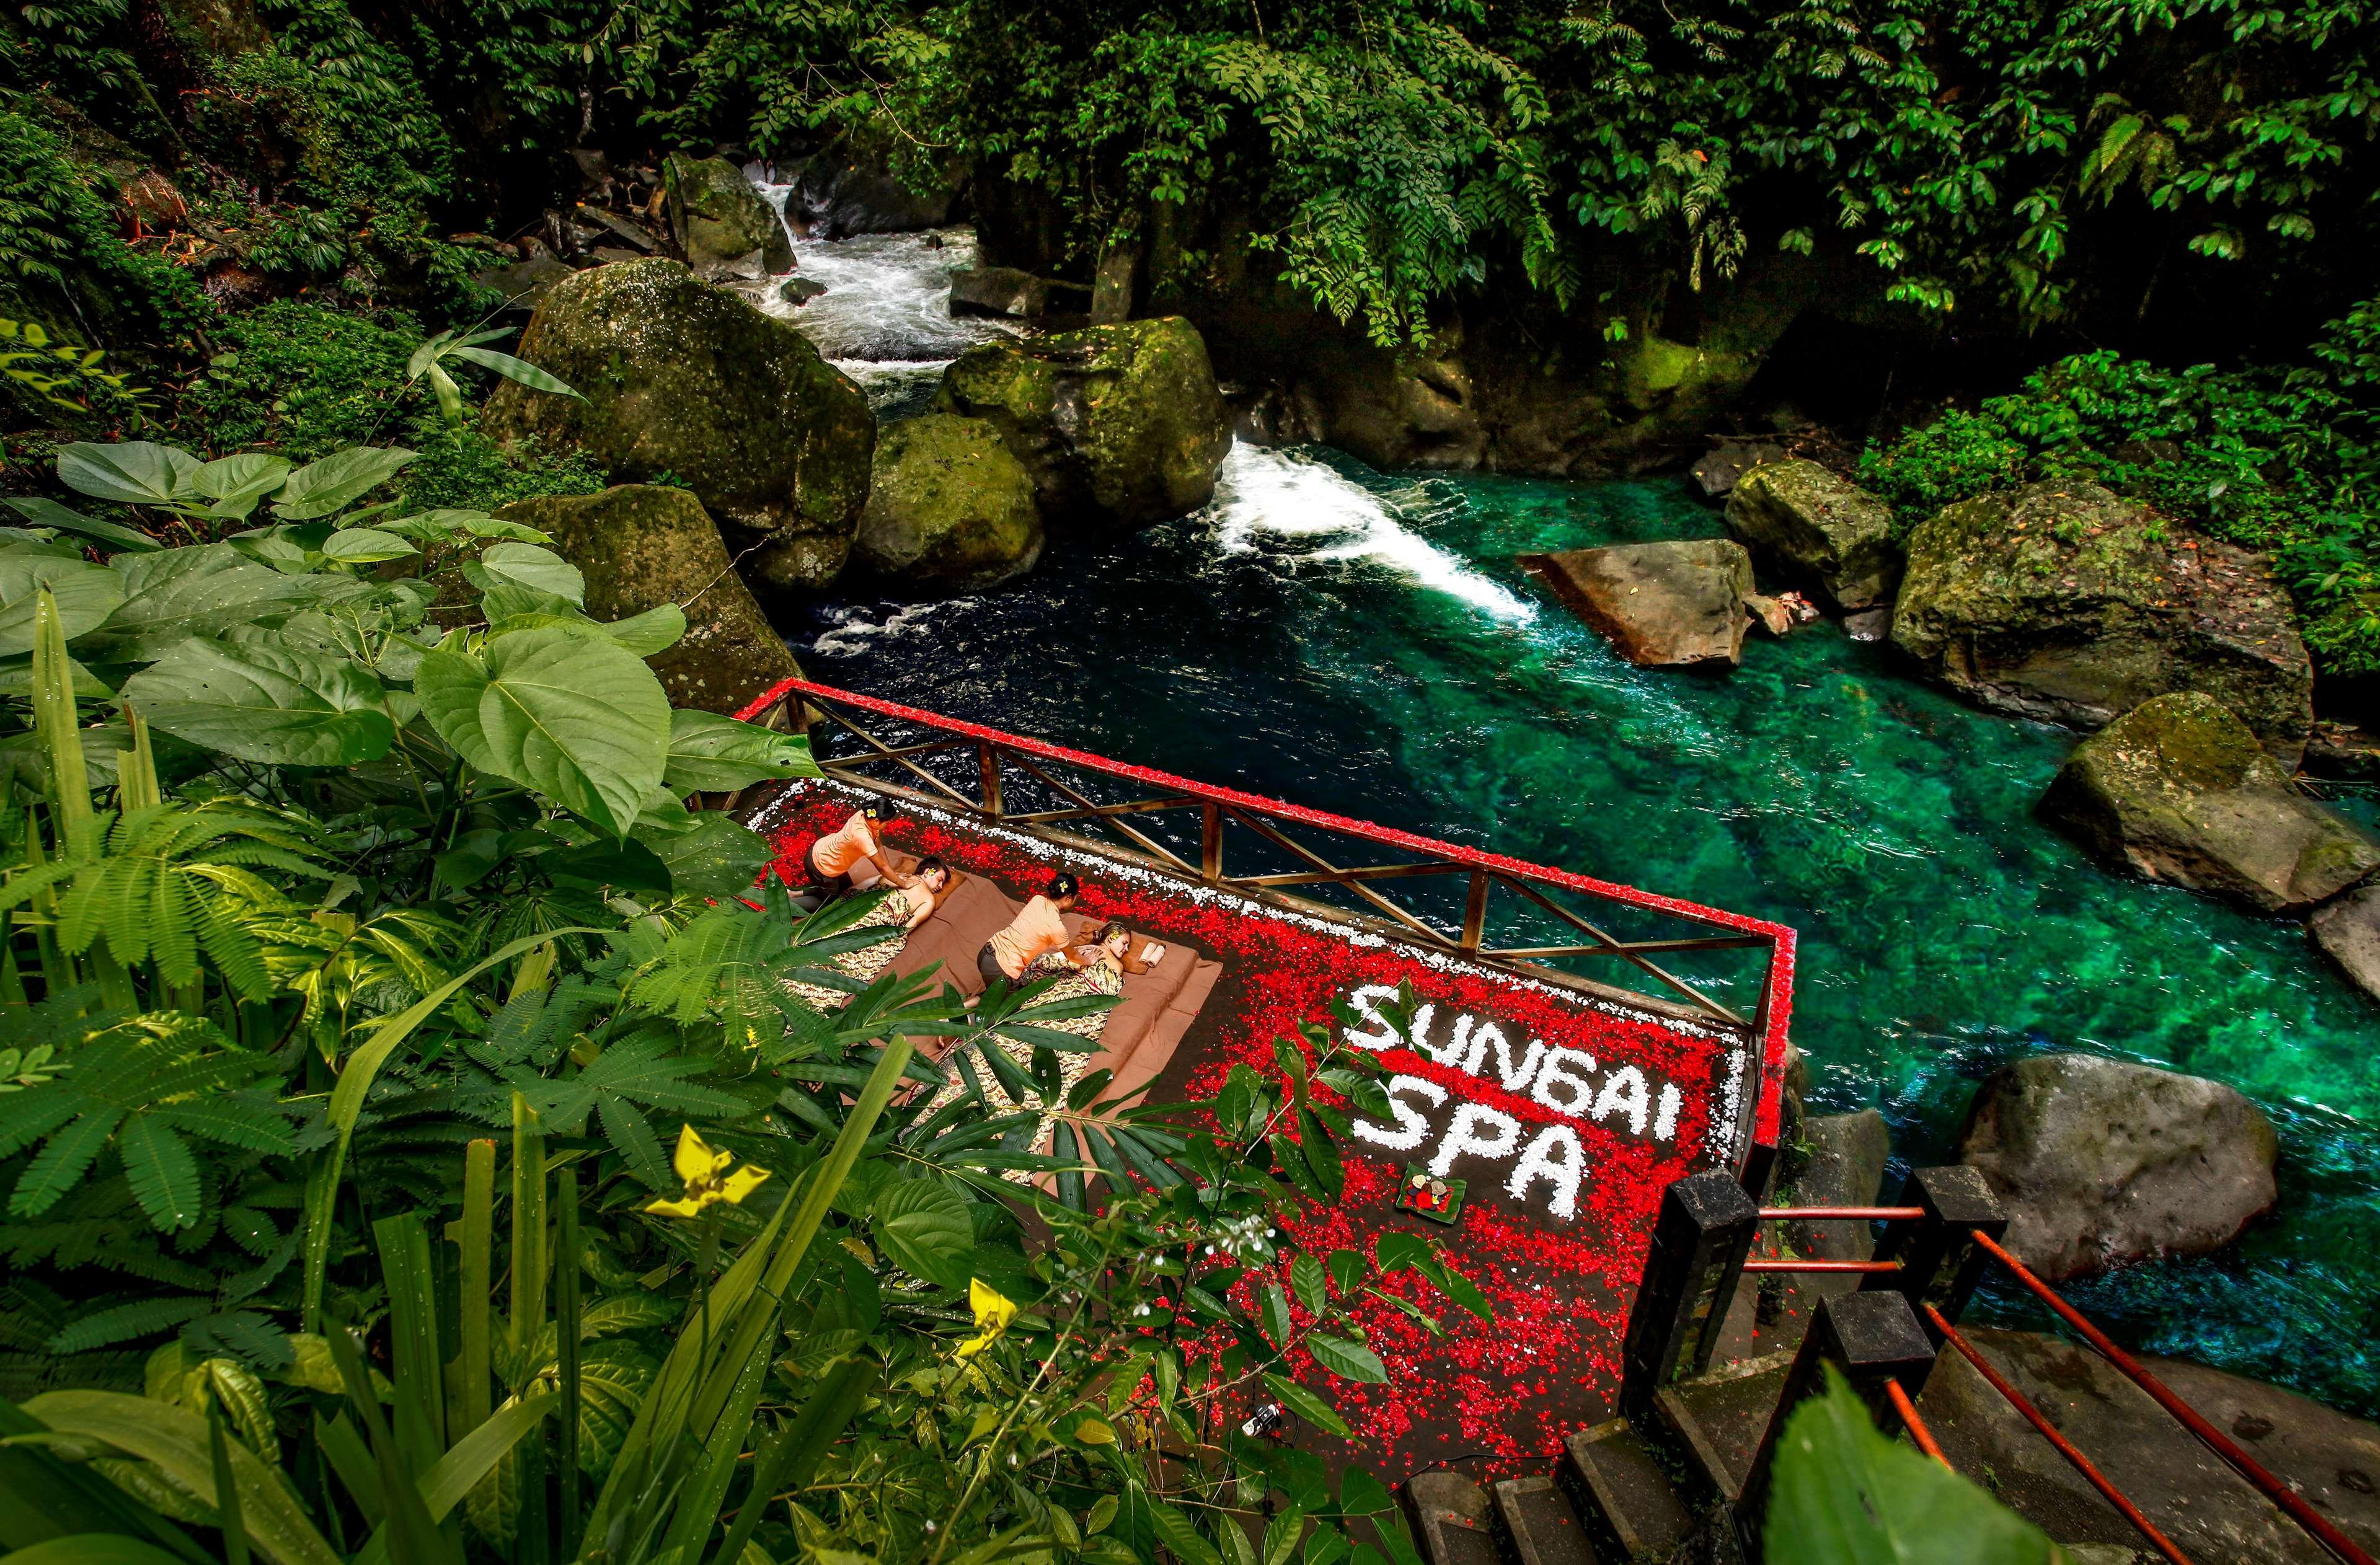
(1820, 528)
(2179, 790)
(720, 221)
(676, 376)
(2060, 601)
(641, 546)
(1121, 426)
(950, 510)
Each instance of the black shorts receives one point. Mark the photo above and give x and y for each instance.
(987, 962)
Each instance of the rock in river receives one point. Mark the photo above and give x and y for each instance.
(2177, 790)
(2347, 931)
(950, 510)
(2060, 601)
(641, 546)
(676, 376)
(2101, 1162)
(1673, 604)
(721, 223)
(1121, 426)
(1820, 528)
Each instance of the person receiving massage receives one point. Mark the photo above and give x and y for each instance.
(1036, 932)
(833, 856)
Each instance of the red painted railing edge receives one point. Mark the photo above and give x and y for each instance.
(1777, 995)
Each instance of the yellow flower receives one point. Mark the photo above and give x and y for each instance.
(705, 1176)
(992, 1314)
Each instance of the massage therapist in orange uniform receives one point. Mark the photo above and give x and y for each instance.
(833, 856)
(1038, 931)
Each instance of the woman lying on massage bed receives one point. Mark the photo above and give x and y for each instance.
(908, 907)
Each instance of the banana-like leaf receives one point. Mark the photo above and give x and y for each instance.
(176, 1439)
(93, 1548)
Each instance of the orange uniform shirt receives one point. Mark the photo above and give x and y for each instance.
(835, 854)
(1037, 931)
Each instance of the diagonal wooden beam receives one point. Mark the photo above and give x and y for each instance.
(1147, 843)
(1620, 948)
(1365, 872)
(883, 752)
(1336, 876)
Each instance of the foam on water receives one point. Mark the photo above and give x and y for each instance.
(1267, 495)
(885, 318)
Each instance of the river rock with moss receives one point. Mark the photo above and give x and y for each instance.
(1120, 426)
(1820, 528)
(950, 510)
(681, 379)
(642, 545)
(721, 223)
(2179, 790)
(2063, 601)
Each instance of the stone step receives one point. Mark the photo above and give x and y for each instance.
(1718, 1421)
(1627, 1494)
(1452, 1519)
(1540, 1526)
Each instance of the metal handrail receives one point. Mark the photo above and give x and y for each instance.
(2248, 1467)
(997, 755)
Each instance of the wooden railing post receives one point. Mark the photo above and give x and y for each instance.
(1699, 1242)
(1475, 910)
(1210, 841)
(987, 759)
(1940, 1262)
(1876, 1341)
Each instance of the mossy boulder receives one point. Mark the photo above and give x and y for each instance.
(642, 545)
(676, 376)
(2063, 602)
(2101, 1162)
(722, 226)
(2179, 790)
(2347, 931)
(950, 510)
(1677, 603)
(1820, 528)
(1121, 426)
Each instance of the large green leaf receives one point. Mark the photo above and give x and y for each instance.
(44, 513)
(535, 567)
(580, 720)
(337, 481)
(176, 1439)
(235, 485)
(716, 856)
(132, 472)
(923, 1226)
(513, 369)
(85, 595)
(1348, 1361)
(272, 705)
(366, 546)
(1841, 1494)
(178, 593)
(710, 754)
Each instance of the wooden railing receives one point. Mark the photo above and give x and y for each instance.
(1056, 793)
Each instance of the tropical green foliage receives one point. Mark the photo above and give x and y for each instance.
(2285, 460)
(344, 847)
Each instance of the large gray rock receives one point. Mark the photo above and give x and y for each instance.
(1673, 604)
(950, 509)
(2061, 601)
(1121, 426)
(1013, 295)
(722, 226)
(678, 376)
(641, 546)
(2186, 1490)
(1848, 1153)
(1729, 460)
(2179, 790)
(851, 188)
(2347, 931)
(1819, 527)
(2102, 1162)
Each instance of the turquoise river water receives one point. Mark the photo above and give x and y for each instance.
(1364, 643)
